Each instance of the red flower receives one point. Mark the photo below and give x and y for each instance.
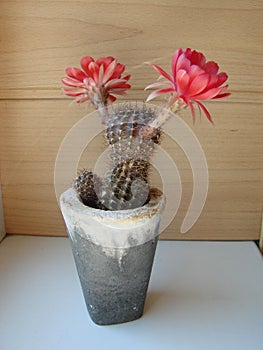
(192, 80)
(98, 82)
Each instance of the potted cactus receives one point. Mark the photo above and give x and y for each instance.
(113, 222)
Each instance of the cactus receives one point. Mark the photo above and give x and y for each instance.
(123, 132)
(86, 184)
(126, 185)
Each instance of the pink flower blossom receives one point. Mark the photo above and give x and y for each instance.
(192, 80)
(97, 82)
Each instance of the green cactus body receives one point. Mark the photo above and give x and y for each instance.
(123, 132)
(86, 185)
(126, 185)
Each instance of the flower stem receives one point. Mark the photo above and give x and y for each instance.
(163, 116)
(103, 112)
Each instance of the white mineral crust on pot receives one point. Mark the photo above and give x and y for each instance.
(112, 229)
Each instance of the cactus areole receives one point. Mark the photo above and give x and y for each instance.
(113, 221)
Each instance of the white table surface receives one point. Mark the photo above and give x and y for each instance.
(202, 295)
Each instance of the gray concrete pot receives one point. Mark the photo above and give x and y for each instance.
(114, 252)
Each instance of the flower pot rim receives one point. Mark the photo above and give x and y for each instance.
(155, 204)
(113, 229)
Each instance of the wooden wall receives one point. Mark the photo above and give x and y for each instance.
(39, 39)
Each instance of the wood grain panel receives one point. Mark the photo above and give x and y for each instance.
(40, 38)
(32, 130)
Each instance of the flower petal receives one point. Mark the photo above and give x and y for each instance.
(222, 95)
(197, 58)
(209, 94)
(81, 99)
(195, 71)
(72, 82)
(119, 69)
(222, 77)
(175, 59)
(190, 104)
(121, 86)
(76, 92)
(159, 92)
(213, 82)
(182, 81)
(76, 73)
(198, 84)
(105, 61)
(115, 82)
(109, 71)
(84, 62)
(101, 75)
(211, 67)
(208, 115)
(127, 77)
(182, 63)
(112, 98)
(160, 71)
(158, 84)
(94, 71)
